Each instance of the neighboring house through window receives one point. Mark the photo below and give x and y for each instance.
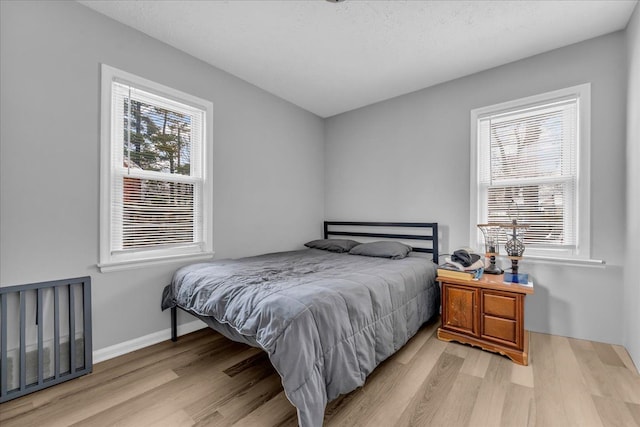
(530, 162)
(155, 173)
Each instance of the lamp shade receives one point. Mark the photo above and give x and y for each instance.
(514, 245)
(491, 234)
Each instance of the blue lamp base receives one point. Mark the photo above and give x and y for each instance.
(520, 278)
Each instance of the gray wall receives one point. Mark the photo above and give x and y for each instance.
(408, 159)
(49, 159)
(632, 283)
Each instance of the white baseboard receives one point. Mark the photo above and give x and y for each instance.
(145, 341)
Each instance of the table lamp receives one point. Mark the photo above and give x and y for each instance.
(491, 233)
(514, 247)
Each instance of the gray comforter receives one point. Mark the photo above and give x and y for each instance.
(326, 320)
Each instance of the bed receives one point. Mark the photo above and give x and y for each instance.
(326, 318)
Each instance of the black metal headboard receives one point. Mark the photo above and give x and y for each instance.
(433, 237)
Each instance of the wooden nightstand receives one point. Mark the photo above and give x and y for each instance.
(486, 313)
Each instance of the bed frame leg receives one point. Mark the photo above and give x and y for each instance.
(174, 324)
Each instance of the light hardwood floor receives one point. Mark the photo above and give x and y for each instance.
(205, 379)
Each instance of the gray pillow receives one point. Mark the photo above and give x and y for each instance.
(382, 249)
(333, 245)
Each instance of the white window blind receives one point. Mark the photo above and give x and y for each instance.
(529, 167)
(157, 180)
(529, 170)
(156, 187)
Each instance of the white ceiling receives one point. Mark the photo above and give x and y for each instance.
(329, 58)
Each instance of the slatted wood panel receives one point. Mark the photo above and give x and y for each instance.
(23, 366)
(206, 380)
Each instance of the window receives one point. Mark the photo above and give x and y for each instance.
(155, 173)
(530, 162)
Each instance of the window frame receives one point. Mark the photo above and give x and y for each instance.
(582, 252)
(110, 260)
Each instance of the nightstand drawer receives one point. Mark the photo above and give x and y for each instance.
(496, 328)
(499, 305)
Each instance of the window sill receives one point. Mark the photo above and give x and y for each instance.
(538, 259)
(140, 263)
